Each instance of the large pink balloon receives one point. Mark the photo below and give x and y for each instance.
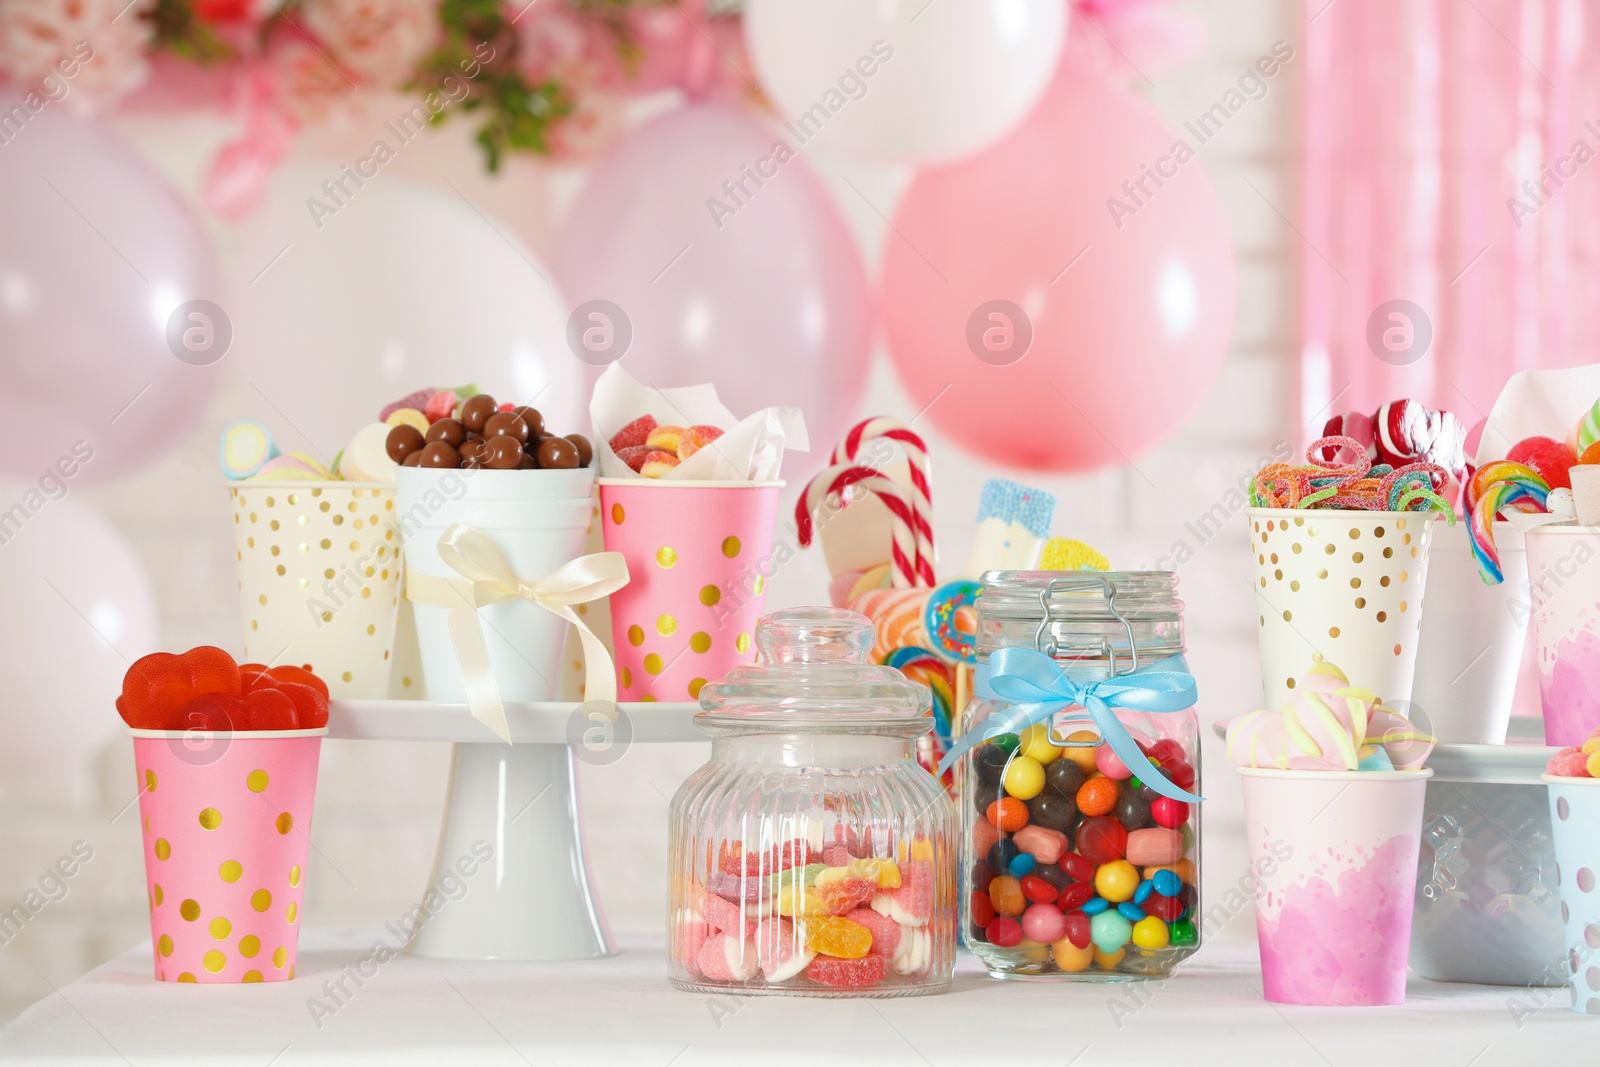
(97, 254)
(752, 283)
(1120, 304)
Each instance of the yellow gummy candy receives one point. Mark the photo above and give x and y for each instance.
(1591, 746)
(1593, 766)
(798, 900)
(832, 935)
(883, 872)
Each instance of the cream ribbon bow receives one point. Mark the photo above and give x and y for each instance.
(487, 579)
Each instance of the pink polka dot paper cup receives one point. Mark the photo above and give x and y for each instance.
(1333, 856)
(699, 555)
(1575, 829)
(1564, 565)
(226, 820)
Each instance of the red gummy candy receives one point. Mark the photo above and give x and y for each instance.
(1102, 839)
(310, 706)
(797, 853)
(634, 456)
(1569, 763)
(1004, 932)
(300, 676)
(217, 712)
(1038, 890)
(1075, 895)
(1166, 750)
(1078, 929)
(268, 709)
(1167, 909)
(849, 974)
(211, 670)
(154, 688)
(417, 401)
(440, 405)
(886, 933)
(982, 908)
(1077, 867)
(633, 435)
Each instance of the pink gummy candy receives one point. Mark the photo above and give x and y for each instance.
(723, 959)
(689, 934)
(1569, 763)
(740, 890)
(885, 931)
(836, 855)
(726, 916)
(780, 949)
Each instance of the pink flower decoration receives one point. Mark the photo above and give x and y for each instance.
(238, 177)
(104, 39)
(376, 41)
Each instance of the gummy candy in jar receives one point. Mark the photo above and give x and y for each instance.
(1080, 815)
(812, 855)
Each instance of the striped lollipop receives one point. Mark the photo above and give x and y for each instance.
(1587, 432)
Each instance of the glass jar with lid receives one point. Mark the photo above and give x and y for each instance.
(1078, 766)
(812, 855)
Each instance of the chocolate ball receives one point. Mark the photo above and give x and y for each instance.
(413, 459)
(449, 431)
(1053, 812)
(1133, 810)
(532, 417)
(474, 453)
(585, 449)
(505, 453)
(506, 424)
(402, 441)
(476, 411)
(439, 454)
(527, 463)
(558, 453)
(1064, 777)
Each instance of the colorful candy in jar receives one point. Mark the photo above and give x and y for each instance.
(1077, 863)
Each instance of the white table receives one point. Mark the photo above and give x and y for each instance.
(621, 1010)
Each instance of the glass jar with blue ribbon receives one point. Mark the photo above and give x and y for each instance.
(1077, 763)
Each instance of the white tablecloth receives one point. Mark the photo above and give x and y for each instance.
(621, 1010)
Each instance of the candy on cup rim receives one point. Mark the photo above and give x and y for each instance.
(208, 735)
(696, 483)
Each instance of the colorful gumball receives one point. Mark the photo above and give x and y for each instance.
(1169, 812)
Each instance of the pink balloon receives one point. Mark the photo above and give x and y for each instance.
(1064, 332)
(756, 288)
(99, 254)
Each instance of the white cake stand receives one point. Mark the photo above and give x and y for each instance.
(532, 900)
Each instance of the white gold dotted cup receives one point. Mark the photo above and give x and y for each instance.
(319, 579)
(1345, 585)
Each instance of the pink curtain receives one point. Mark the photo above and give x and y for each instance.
(1424, 119)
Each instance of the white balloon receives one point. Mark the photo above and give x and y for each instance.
(904, 81)
(398, 287)
(78, 611)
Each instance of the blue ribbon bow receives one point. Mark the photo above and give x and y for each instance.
(1037, 688)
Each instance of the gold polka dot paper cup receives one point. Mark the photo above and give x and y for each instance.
(699, 555)
(226, 822)
(1345, 585)
(1575, 833)
(319, 579)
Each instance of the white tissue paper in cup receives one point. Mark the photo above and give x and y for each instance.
(749, 450)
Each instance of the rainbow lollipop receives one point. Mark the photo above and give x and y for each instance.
(1494, 488)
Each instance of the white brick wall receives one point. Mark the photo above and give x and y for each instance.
(379, 804)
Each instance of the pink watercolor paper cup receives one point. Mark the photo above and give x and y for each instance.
(226, 820)
(1575, 832)
(699, 555)
(1335, 859)
(1564, 579)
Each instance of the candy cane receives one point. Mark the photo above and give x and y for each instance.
(916, 451)
(842, 476)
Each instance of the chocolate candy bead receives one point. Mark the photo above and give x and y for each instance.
(558, 453)
(1001, 855)
(1053, 812)
(1132, 810)
(506, 424)
(532, 419)
(476, 411)
(439, 454)
(413, 459)
(527, 463)
(585, 449)
(1064, 777)
(505, 453)
(474, 453)
(402, 441)
(449, 431)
